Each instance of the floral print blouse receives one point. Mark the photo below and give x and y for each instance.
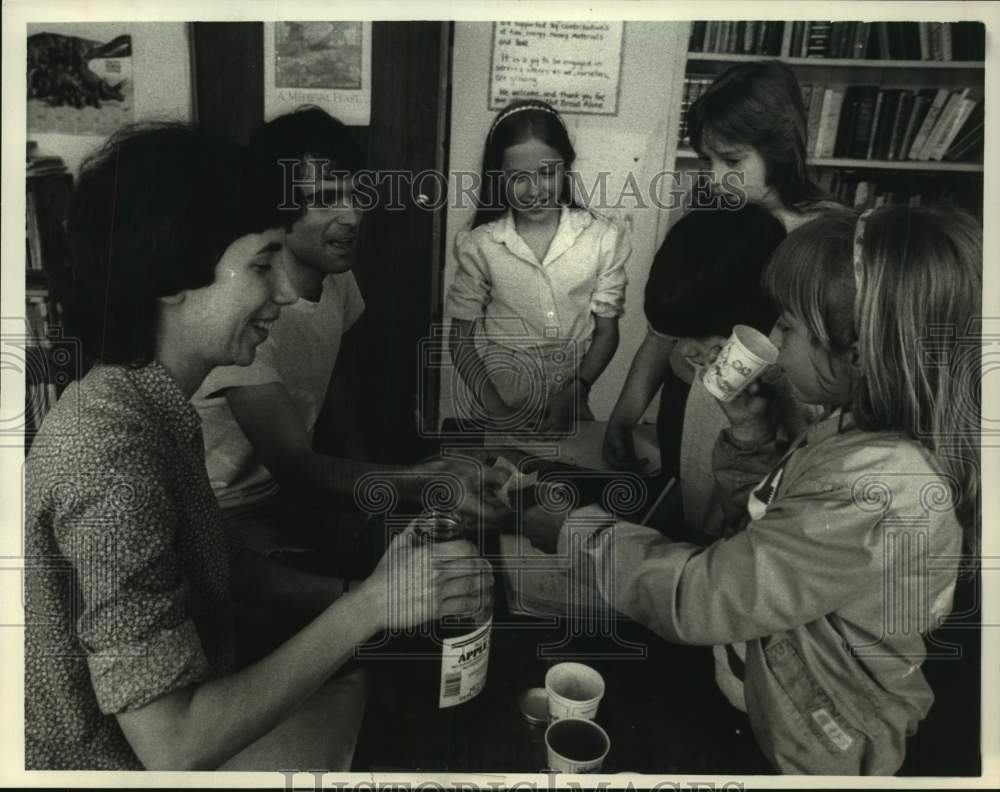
(127, 593)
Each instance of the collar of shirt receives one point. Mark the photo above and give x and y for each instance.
(571, 224)
(162, 393)
(763, 494)
(835, 422)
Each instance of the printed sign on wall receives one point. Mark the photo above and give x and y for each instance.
(574, 66)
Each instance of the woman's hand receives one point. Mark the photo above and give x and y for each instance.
(619, 449)
(417, 582)
(477, 486)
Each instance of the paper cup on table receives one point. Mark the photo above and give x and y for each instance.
(574, 691)
(576, 745)
(743, 359)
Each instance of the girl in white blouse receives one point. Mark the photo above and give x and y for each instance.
(540, 283)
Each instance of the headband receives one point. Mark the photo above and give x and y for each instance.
(512, 111)
(859, 238)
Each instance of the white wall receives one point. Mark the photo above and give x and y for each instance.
(161, 63)
(641, 138)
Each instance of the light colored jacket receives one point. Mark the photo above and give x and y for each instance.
(832, 589)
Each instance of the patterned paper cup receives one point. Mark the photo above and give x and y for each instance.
(574, 691)
(575, 745)
(744, 357)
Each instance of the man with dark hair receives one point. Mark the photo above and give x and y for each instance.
(259, 421)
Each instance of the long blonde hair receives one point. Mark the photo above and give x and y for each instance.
(920, 279)
(911, 305)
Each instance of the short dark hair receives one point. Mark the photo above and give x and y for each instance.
(151, 215)
(706, 276)
(309, 132)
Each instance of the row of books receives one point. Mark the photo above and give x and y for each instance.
(40, 310)
(739, 38)
(928, 41)
(862, 192)
(694, 86)
(47, 191)
(38, 164)
(866, 122)
(32, 237)
(41, 389)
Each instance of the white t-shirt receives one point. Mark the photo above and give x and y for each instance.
(299, 353)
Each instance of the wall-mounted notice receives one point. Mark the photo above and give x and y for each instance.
(574, 66)
(322, 63)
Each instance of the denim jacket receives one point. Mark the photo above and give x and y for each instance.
(831, 588)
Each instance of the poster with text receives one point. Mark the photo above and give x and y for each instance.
(327, 64)
(574, 66)
(78, 85)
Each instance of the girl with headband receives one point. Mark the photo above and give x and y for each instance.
(854, 531)
(540, 282)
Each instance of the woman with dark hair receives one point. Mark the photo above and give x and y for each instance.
(129, 658)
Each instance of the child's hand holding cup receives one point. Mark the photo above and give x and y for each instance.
(742, 359)
(730, 378)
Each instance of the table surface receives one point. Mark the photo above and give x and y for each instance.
(661, 709)
(583, 447)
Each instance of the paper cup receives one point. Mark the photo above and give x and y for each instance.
(575, 745)
(744, 357)
(574, 691)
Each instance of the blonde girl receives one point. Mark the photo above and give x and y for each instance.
(854, 531)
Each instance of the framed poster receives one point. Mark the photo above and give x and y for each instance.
(328, 64)
(78, 85)
(574, 66)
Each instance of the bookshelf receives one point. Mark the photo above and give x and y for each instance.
(50, 358)
(845, 162)
(849, 72)
(874, 63)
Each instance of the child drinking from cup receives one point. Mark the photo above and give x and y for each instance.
(540, 282)
(856, 528)
(705, 278)
(750, 130)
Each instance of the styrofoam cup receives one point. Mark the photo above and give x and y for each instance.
(576, 745)
(574, 691)
(743, 358)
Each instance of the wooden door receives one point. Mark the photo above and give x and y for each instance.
(399, 259)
